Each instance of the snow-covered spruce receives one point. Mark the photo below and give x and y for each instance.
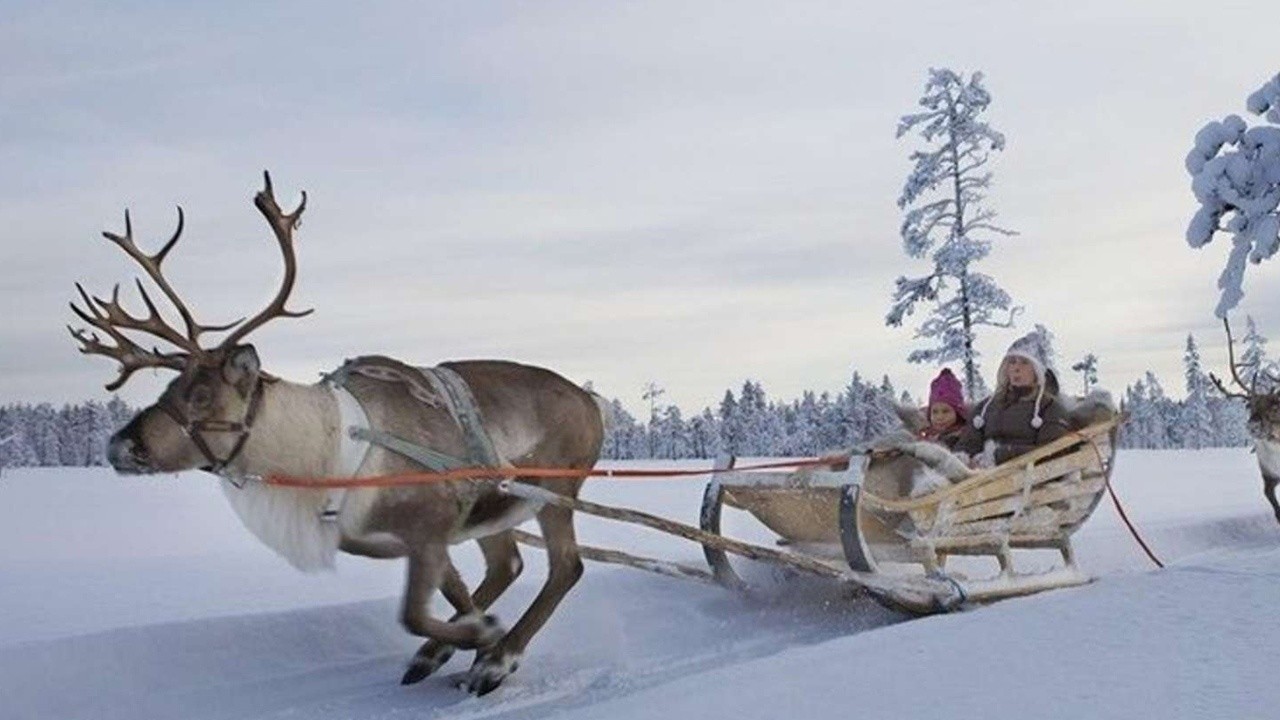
(949, 222)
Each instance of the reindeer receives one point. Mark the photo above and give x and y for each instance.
(224, 414)
(1264, 419)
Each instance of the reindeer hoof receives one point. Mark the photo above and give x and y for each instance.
(429, 658)
(490, 669)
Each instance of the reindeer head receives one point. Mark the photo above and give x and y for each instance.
(1263, 403)
(203, 418)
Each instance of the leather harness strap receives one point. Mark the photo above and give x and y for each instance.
(195, 429)
(433, 386)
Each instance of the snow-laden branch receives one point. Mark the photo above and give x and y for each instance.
(1235, 171)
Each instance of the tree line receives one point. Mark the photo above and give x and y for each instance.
(745, 423)
(43, 435)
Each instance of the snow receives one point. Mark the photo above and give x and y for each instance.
(145, 598)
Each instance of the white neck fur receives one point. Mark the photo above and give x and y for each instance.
(296, 434)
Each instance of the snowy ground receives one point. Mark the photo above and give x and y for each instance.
(145, 599)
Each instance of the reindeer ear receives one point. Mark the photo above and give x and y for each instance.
(241, 369)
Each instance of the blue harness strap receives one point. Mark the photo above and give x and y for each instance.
(462, 405)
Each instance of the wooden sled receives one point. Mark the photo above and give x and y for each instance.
(897, 547)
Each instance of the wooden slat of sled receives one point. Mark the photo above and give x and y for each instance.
(1080, 507)
(1012, 484)
(1037, 498)
(798, 514)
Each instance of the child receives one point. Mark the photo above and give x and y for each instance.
(946, 411)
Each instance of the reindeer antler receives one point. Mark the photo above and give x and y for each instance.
(130, 355)
(283, 226)
(111, 318)
(151, 264)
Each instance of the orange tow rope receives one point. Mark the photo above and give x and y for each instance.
(500, 473)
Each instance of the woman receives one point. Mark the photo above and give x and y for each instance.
(1024, 412)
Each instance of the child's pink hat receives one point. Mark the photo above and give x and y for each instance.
(946, 389)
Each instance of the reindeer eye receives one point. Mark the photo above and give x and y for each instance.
(200, 396)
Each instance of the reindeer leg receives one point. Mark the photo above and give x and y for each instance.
(1269, 483)
(428, 567)
(493, 664)
(435, 653)
(502, 567)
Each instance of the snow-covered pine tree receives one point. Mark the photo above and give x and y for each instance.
(882, 416)
(806, 438)
(952, 227)
(704, 434)
(1151, 414)
(732, 432)
(671, 435)
(624, 439)
(773, 430)
(1235, 176)
(1088, 369)
(73, 436)
(1230, 421)
(1136, 430)
(1196, 421)
(1255, 368)
(829, 423)
(854, 412)
(100, 431)
(118, 412)
(752, 411)
(45, 436)
(16, 423)
(652, 391)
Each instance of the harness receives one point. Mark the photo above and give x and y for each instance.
(434, 386)
(195, 429)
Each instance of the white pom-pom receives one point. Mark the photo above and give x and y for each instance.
(979, 421)
(1036, 422)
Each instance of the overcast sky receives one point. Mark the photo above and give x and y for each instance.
(690, 193)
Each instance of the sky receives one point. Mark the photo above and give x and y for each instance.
(693, 194)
